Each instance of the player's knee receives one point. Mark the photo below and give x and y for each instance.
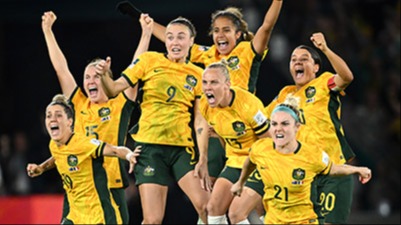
(236, 216)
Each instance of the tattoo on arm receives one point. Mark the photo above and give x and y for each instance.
(199, 131)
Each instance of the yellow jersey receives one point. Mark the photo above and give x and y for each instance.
(108, 122)
(239, 124)
(243, 62)
(320, 109)
(289, 195)
(80, 165)
(169, 93)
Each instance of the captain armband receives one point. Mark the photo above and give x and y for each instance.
(333, 86)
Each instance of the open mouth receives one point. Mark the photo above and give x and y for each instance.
(54, 129)
(222, 45)
(93, 91)
(299, 73)
(210, 98)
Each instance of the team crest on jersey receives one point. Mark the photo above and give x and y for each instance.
(191, 82)
(239, 128)
(298, 174)
(310, 92)
(233, 62)
(72, 161)
(149, 171)
(104, 114)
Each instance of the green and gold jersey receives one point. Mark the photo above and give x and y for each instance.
(243, 62)
(289, 197)
(320, 110)
(108, 122)
(239, 124)
(169, 92)
(80, 165)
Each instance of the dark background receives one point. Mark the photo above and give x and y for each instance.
(366, 33)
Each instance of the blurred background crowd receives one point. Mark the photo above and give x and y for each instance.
(366, 33)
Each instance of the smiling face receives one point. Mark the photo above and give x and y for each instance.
(58, 125)
(178, 42)
(92, 85)
(216, 87)
(225, 35)
(302, 67)
(283, 129)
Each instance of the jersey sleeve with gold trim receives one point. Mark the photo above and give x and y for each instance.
(289, 196)
(238, 124)
(169, 91)
(243, 62)
(108, 122)
(80, 164)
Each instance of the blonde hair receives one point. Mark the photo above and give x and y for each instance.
(290, 106)
(222, 66)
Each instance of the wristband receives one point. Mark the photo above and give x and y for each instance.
(128, 156)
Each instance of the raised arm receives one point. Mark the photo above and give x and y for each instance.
(247, 169)
(57, 57)
(143, 46)
(111, 87)
(341, 170)
(35, 170)
(123, 153)
(344, 73)
(159, 31)
(202, 137)
(262, 35)
(147, 26)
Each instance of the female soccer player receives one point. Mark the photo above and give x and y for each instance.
(79, 161)
(320, 108)
(289, 167)
(240, 48)
(238, 117)
(171, 90)
(96, 115)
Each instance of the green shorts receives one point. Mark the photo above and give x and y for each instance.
(254, 181)
(335, 197)
(163, 164)
(216, 157)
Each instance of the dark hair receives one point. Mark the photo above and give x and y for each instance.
(185, 22)
(61, 100)
(315, 56)
(234, 14)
